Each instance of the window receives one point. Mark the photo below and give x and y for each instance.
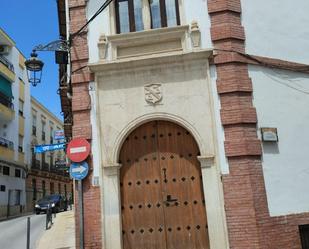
(34, 191)
(43, 159)
(17, 173)
(59, 188)
(51, 159)
(304, 236)
(130, 18)
(51, 135)
(43, 130)
(20, 143)
(2, 188)
(6, 170)
(52, 190)
(34, 125)
(65, 190)
(21, 108)
(43, 188)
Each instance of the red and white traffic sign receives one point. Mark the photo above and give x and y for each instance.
(78, 150)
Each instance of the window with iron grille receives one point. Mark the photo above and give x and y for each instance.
(21, 108)
(34, 190)
(43, 188)
(20, 143)
(2, 188)
(34, 120)
(130, 16)
(304, 236)
(34, 130)
(17, 173)
(6, 170)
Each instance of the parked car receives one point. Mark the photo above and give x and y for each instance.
(56, 202)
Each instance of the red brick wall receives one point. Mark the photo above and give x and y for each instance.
(48, 179)
(248, 220)
(81, 105)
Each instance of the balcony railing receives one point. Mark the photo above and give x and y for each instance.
(45, 166)
(35, 164)
(6, 63)
(6, 143)
(4, 100)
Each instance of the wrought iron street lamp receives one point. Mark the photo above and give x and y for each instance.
(61, 47)
(34, 68)
(34, 65)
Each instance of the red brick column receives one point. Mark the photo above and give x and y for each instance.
(248, 220)
(81, 106)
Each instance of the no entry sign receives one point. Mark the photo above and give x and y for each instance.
(78, 150)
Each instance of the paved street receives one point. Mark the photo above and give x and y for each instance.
(14, 232)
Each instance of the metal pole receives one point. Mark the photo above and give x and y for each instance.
(9, 203)
(47, 217)
(28, 233)
(81, 214)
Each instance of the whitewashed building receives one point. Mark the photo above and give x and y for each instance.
(14, 122)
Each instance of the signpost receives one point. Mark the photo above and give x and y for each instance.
(77, 151)
(59, 135)
(79, 171)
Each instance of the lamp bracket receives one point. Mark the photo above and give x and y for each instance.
(58, 45)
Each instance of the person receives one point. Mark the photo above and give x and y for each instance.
(70, 201)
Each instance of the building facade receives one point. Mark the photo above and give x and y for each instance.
(14, 122)
(44, 176)
(196, 115)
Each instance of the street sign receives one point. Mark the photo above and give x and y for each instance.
(61, 163)
(48, 147)
(79, 171)
(58, 135)
(78, 150)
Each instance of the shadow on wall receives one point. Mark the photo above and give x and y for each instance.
(270, 148)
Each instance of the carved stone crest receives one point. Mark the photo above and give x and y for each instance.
(153, 93)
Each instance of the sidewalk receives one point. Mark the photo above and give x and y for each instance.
(61, 234)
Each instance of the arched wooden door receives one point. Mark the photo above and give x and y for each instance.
(163, 205)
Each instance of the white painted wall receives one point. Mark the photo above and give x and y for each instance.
(12, 183)
(277, 28)
(281, 99)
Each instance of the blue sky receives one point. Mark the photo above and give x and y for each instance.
(29, 23)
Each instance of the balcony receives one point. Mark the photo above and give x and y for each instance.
(58, 171)
(6, 108)
(45, 166)
(6, 149)
(36, 164)
(7, 68)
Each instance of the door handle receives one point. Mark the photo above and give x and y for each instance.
(170, 199)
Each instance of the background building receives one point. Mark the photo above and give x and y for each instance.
(226, 79)
(45, 177)
(14, 123)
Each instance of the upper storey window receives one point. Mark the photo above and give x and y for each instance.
(137, 15)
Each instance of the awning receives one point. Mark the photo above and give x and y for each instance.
(6, 87)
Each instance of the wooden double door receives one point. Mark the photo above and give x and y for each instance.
(162, 198)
